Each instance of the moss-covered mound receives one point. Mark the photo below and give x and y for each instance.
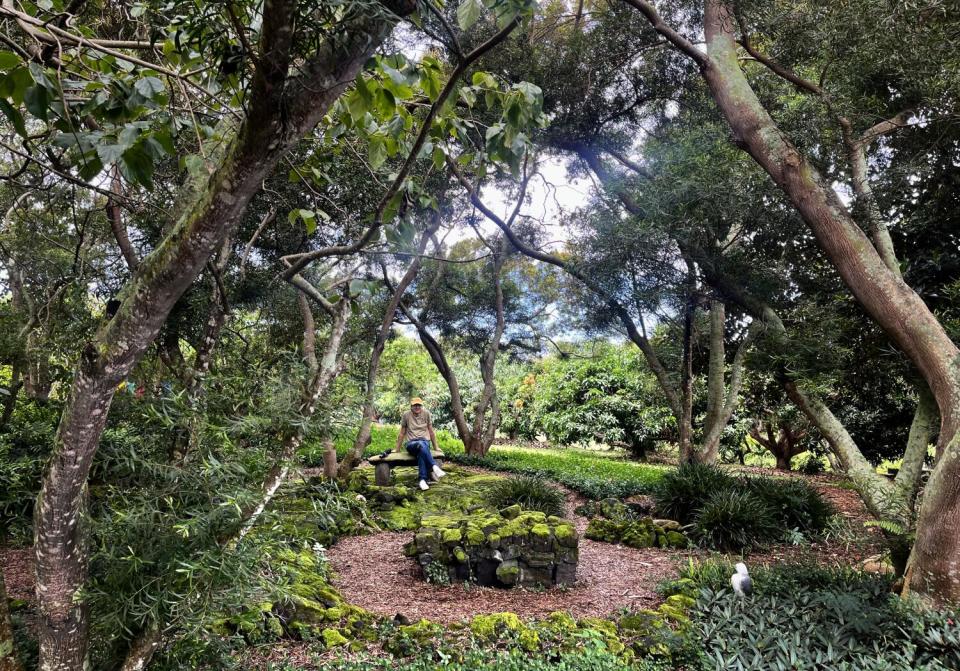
(614, 509)
(504, 549)
(401, 506)
(642, 533)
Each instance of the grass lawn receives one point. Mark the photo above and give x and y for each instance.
(593, 473)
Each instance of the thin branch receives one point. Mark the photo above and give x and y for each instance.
(342, 250)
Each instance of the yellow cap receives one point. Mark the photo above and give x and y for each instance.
(416, 400)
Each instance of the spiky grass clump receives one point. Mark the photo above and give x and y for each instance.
(682, 492)
(733, 520)
(794, 503)
(531, 493)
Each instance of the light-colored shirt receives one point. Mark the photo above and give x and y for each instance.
(417, 426)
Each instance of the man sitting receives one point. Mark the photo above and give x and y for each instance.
(416, 428)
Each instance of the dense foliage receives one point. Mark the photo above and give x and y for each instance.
(734, 513)
(804, 616)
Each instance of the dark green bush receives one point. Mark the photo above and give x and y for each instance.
(680, 493)
(811, 465)
(730, 513)
(795, 503)
(733, 520)
(531, 492)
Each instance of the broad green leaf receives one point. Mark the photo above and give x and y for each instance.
(148, 87)
(468, 12)
(439, 158)
(13, 114)
(8, 60)
(468, 96)
(37, 101)
(91, 167)
(377, 153)
(110, 153)
(136, 165)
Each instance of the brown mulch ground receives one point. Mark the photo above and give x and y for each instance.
(372, 573)
(17, 567)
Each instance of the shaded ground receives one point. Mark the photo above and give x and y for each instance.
(18, 573)
(372, 572)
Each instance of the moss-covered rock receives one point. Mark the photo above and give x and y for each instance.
(640, 533)
(500, 626)
(332, 638)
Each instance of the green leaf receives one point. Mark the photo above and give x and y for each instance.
(468, 96)
(8, 60)
(148, 87)
(439, 158)
(468, 12)
(37, 101)
(136, 165)
(390, 211)
(377, 153)
(110, 153)
(91, 167)
(13, 114)
(309, 218)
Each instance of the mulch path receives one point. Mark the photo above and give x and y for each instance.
(18, 575)
(372, 572)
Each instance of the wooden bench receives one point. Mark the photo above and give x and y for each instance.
(382, 465)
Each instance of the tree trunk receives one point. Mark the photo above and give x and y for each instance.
(934, 568)
(280, 113)
(716, 370)
(355, 455)
(922, 431)
(687, 454)
(485, 429)
(713, 430)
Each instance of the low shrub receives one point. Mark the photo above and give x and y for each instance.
(730, 513)
(811, 465)
(805, 616)
(795, 503)
(733, 520)
(680, 493)
(530, 492)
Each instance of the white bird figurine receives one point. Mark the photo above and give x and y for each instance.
(742, 584)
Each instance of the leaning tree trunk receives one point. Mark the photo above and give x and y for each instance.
(922, 431)
(281, 112)
(934, 568)
(934, 565)
(355, 455)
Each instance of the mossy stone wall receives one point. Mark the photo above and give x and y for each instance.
(505, 549)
